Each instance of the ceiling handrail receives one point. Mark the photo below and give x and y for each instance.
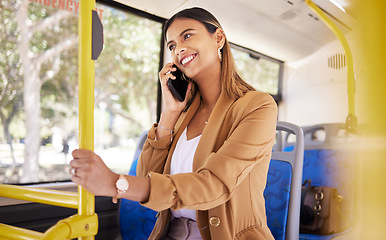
(351, 120)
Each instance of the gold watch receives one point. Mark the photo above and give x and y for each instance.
(122, 186)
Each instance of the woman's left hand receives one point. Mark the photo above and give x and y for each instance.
(90, 172)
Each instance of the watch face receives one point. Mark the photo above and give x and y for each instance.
(122, 185)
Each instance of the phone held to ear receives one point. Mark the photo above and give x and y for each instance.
(178, 86)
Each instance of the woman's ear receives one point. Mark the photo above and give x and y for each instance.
(220, 37)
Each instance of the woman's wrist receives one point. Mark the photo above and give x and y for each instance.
(113, 185)
(139, 189)
(162, 128)
(169, 119)
(166, 125)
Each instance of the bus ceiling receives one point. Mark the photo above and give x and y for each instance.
(284, 29)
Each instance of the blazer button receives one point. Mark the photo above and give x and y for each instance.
(214, 221)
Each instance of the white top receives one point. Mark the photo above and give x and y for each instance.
(182, 162)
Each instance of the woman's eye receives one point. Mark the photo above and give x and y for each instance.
(171, 47)
(186, 36)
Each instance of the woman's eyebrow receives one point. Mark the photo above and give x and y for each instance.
(181, 34)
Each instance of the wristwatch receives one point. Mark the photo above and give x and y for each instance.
(122, 186)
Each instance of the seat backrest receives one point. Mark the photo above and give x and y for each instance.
(283, 190)
(135, 221)
(140, 143)
(329, 162)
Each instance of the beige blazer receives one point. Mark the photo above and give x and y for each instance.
(229, 169)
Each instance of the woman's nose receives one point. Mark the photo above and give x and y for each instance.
(180, 50)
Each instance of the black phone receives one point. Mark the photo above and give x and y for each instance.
(178, 86)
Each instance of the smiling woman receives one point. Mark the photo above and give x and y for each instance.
(204, 159)
(188, 169)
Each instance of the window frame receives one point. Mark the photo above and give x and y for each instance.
(162, 21)
(277, 97)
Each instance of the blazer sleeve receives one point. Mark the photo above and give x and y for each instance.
(154, 154)
(248, 144)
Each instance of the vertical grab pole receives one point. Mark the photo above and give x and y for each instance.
(351, 121)
(86, 74)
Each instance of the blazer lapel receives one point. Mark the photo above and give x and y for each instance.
(210, 133)
(212, 130)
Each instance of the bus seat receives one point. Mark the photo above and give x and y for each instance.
(141, 141)
(283, 190)
(328, 162)
(135, 221)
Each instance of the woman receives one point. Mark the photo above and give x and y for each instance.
(204, 165)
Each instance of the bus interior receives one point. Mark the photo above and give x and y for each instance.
(321, 60)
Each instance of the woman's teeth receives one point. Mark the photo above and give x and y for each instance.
(187, 59)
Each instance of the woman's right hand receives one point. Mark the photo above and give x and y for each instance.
(170, 104)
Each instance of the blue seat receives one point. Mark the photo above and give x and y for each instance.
(135, 221)
(283, 190)
(327, 163)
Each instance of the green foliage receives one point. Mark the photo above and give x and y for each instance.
(260, 73)
(126, 73)
(127, 70)
(10, 68)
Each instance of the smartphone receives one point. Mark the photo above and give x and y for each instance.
(178, 86)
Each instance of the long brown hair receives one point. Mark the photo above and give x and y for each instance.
(231, 81)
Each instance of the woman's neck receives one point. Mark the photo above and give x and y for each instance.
(210, 88)
(209, 96)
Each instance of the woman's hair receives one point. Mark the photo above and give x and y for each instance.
(231, 81)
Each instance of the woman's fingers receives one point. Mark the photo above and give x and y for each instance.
(166, 73)
(89, 171)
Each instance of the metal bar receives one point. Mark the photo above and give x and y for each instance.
(61, 230)
(351, 119)
(86, 77)
(73, 227)
(45, 196)
(15, 233)
(85, 224)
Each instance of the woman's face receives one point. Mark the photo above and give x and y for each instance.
(193, 49)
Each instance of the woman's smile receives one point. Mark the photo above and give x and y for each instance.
(187, 59)
(194, 50)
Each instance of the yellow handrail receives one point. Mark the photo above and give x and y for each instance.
(38, 195)
(72, 227)
(351, 120)
(86, 75)
(15, 233)
(69, 228)
(83, 225)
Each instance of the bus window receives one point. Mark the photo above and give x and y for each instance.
(126, 84)
(262, 72)
(39, 77)
(38, 84)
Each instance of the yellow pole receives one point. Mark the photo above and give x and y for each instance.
(351, 119)
(11, 232)
(86, 222)
(45, 196)
(86, 97)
